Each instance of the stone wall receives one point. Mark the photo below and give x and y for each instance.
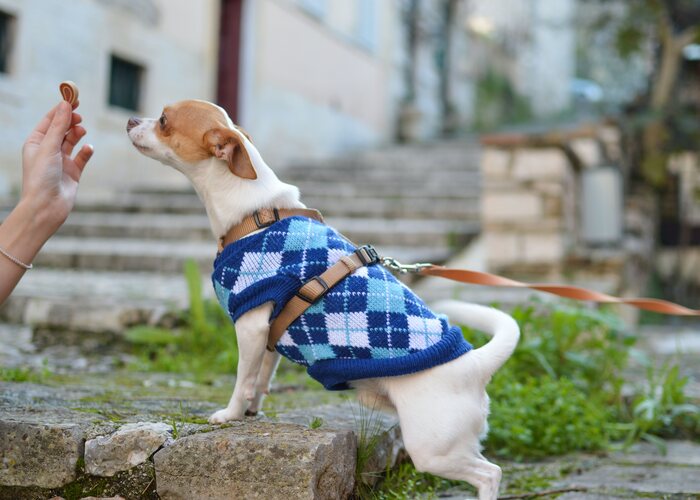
(531, 211)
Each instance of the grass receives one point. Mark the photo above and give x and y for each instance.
(203, 344)
(369, 425)
(316, 423)
(24, 374)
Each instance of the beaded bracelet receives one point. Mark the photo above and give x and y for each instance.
(16, 260)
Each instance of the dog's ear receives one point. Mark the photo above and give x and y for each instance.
(244, 132)
(227, 145)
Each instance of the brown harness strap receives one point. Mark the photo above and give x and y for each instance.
(265, 217)
(314, 289)
(569, 292)
(318, 286)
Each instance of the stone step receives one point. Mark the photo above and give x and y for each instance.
(149, 226)
(407, 157)
(163, 242)
(380, 176)
(121, 254)
(58, 442)
(466, 208)
(419, 188)
(182, 202)
(341, 200)
(96, 301)
(405, 232)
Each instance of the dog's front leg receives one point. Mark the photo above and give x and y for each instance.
(262, 386)
(251, 330)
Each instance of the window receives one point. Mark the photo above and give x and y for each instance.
(316, 8)
(125, 84)
(367, 23)
(7, 35)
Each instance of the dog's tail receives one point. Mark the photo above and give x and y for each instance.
(502, 328)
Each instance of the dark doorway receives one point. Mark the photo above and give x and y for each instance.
(229, 56)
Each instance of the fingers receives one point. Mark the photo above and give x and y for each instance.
(72, 138)
(83, 157)
(59, 126)
(45, 122)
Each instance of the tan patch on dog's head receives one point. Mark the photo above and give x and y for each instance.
(197, 130)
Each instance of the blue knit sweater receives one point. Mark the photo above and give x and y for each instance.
(368, 325)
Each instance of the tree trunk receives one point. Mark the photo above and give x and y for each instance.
(655, 133)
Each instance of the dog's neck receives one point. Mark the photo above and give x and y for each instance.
(229, 199)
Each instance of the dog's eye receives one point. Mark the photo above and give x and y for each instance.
(162, 120)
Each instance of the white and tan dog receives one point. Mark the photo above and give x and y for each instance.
(442, 410)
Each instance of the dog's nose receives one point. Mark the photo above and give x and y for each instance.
(133, 122)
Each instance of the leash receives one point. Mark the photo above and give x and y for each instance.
(318, 286)
(569, 292)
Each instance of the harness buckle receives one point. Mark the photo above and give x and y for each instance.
(400, 268)
(312, 299)
(262, 224)
(367, 255)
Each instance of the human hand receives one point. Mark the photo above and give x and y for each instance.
(50, 176)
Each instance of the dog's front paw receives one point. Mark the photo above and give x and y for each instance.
(223, 416)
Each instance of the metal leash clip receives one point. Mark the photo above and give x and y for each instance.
(400, 268)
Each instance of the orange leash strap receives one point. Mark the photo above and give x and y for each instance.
(569, 292)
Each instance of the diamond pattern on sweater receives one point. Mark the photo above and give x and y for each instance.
(368, 315)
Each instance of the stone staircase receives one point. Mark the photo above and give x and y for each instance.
(118, 260)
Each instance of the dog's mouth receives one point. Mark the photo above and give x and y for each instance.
(143, 149)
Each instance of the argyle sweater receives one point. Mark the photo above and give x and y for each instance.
(368, 325)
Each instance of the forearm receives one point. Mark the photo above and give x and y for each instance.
(22, 234)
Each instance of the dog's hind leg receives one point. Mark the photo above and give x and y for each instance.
(262, 385)
(442, 414)
(451, 455)
(251, 331)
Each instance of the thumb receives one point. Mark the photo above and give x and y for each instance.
(59, 126)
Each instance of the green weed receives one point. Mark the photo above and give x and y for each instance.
(25, 374)
(205, 344)
(369, 428)
(569, 366)
(405, 481)
(316, 423)
(543, 416)
(660, 409)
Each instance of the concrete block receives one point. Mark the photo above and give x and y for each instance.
(502, 248)
(543, 248)
(588, 151)
(534, 164)
(495, 164)
(510, 206)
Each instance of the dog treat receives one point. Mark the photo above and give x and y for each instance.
(69, 92)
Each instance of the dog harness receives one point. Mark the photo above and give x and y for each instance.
(368, 325)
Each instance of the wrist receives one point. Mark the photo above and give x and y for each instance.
(40, 216)
(22, 235)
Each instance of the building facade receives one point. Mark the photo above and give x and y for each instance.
(127, 56)
(306, 78)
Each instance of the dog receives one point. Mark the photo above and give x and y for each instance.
(442, 408)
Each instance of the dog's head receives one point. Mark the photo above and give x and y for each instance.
(190, 132)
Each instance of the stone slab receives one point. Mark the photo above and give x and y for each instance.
(677, 453)
(638, 478)
(130, 446)
(376, 431)
(258, 460)
(35, 454)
